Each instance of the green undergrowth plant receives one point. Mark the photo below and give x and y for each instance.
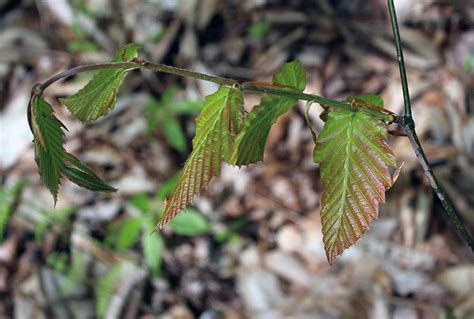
(71, 269)
(8, 197)
(357, 165)
(165, 113)
(135, 228)
(143, 210)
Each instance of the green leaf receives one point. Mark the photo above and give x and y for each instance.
(50, 155)
(127, 233)
(127, 53)
(372, 104)
(5, 211)
(216, 127)
(57, 261)
(76, 271)
(190, 223)
(292, 74)
(48, 140)
(468, 64)
(229, 232)
(187, 107)
(72, 273)
(83, 176)
(141, 201)
(250, 142)
(174, 134)
(98, 97)
(8, 197)
(56, 217)
(355, 161)
(82, 46)
(371, 99)
(153, 250)
(105, 288)
(167, 97)
(163, 112)
(258, 30)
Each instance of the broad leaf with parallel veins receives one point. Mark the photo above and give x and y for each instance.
(80, 174)
(50, 155)
(216, 128)
(354, 163)
(98, 97)
(48, 140)
(251, 140)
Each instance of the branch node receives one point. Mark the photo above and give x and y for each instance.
(407, 122)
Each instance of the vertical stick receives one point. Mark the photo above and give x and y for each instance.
(401, 61)
(409, 125)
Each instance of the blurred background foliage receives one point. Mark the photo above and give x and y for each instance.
(250, 246)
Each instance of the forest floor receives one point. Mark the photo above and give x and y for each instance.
(250, 246)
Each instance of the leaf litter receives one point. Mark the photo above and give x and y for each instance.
(263, 255)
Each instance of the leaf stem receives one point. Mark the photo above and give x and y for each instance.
(409, 125)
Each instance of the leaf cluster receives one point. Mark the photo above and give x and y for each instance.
(354, 157)
(96, 99)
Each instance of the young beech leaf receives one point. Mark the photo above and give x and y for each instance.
(50, 155)
(216, 127)
(98, 97)
(292, 74)
(372, 104)
(371, 99)
(250, 142)
(48, 140)
(83, 176)
(355, 160)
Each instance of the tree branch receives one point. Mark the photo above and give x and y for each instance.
(401, 61)
(83, 68)
(409, 125)
(141, 63)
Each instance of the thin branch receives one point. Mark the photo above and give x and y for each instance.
(409, 125)
(135, 64)
(140, 63)
(300, 96)
(84, 68)
(401, 61)
(184, 72)
(438, 189)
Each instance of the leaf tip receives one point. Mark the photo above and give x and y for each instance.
(331, 258)
(158, 226)
(396, 174)
(54, 192)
